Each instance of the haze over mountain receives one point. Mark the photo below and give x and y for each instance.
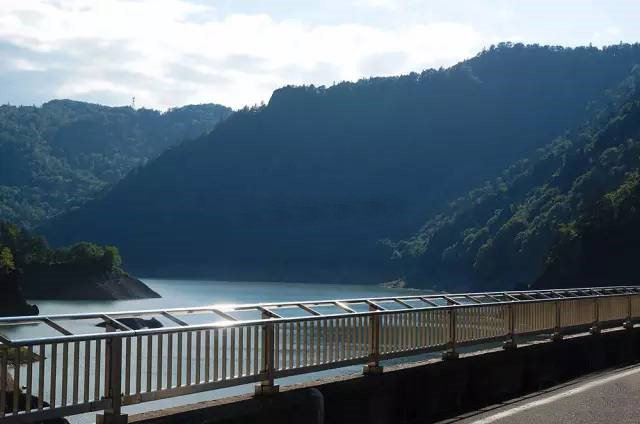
(304, 188)
(58, 156)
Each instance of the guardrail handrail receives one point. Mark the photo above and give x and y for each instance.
(508, 297)
(124, 365)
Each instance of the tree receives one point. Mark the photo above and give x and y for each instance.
(7, 264)
(9, 235)
(111, 258)
(84, 252)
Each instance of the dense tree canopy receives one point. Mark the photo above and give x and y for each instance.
(566, 216)
(19, 250)
(56, 157)
(305, 187)
(7, 264)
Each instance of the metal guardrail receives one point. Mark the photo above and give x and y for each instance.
(80, 369)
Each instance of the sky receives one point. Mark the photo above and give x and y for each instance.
(169, 53)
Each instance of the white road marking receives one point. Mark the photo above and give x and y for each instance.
(556, 397)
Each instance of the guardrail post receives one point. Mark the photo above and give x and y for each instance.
(557, 332)
(4, 381)
(373, 367)
(628, 324)
(451, 352)
(511, 343)
(595, 328)
(267, 386)
(113, 377)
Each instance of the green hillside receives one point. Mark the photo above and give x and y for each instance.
(56, 157)
(305, 188)
(566, 216)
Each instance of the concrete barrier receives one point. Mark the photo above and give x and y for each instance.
(301, 405)
(419, 392)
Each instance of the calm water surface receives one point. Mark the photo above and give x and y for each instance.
(183, 293)
(180, 293)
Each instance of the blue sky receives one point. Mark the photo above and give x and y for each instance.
(236, 52)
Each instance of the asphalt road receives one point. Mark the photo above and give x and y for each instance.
(608, 397)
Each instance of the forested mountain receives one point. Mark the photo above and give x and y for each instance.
(602, 247)
(56, 157)
(307, 186)
(568, 216)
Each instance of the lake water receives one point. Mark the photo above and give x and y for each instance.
(183, 293)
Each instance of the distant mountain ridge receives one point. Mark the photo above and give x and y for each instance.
(60, 155)
(305, 188)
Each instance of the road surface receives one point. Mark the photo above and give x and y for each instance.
(607, 397)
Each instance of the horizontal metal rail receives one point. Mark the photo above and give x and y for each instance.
(84, 367)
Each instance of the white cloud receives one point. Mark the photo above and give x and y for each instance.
(381, 4)
(171, 58)
(174, 52)
(608, 35)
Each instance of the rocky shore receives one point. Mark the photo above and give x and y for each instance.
(12, 300)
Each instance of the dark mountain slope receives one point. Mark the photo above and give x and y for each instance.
(56, 157)
(603, 246)
(565, 217)
(304, 188)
